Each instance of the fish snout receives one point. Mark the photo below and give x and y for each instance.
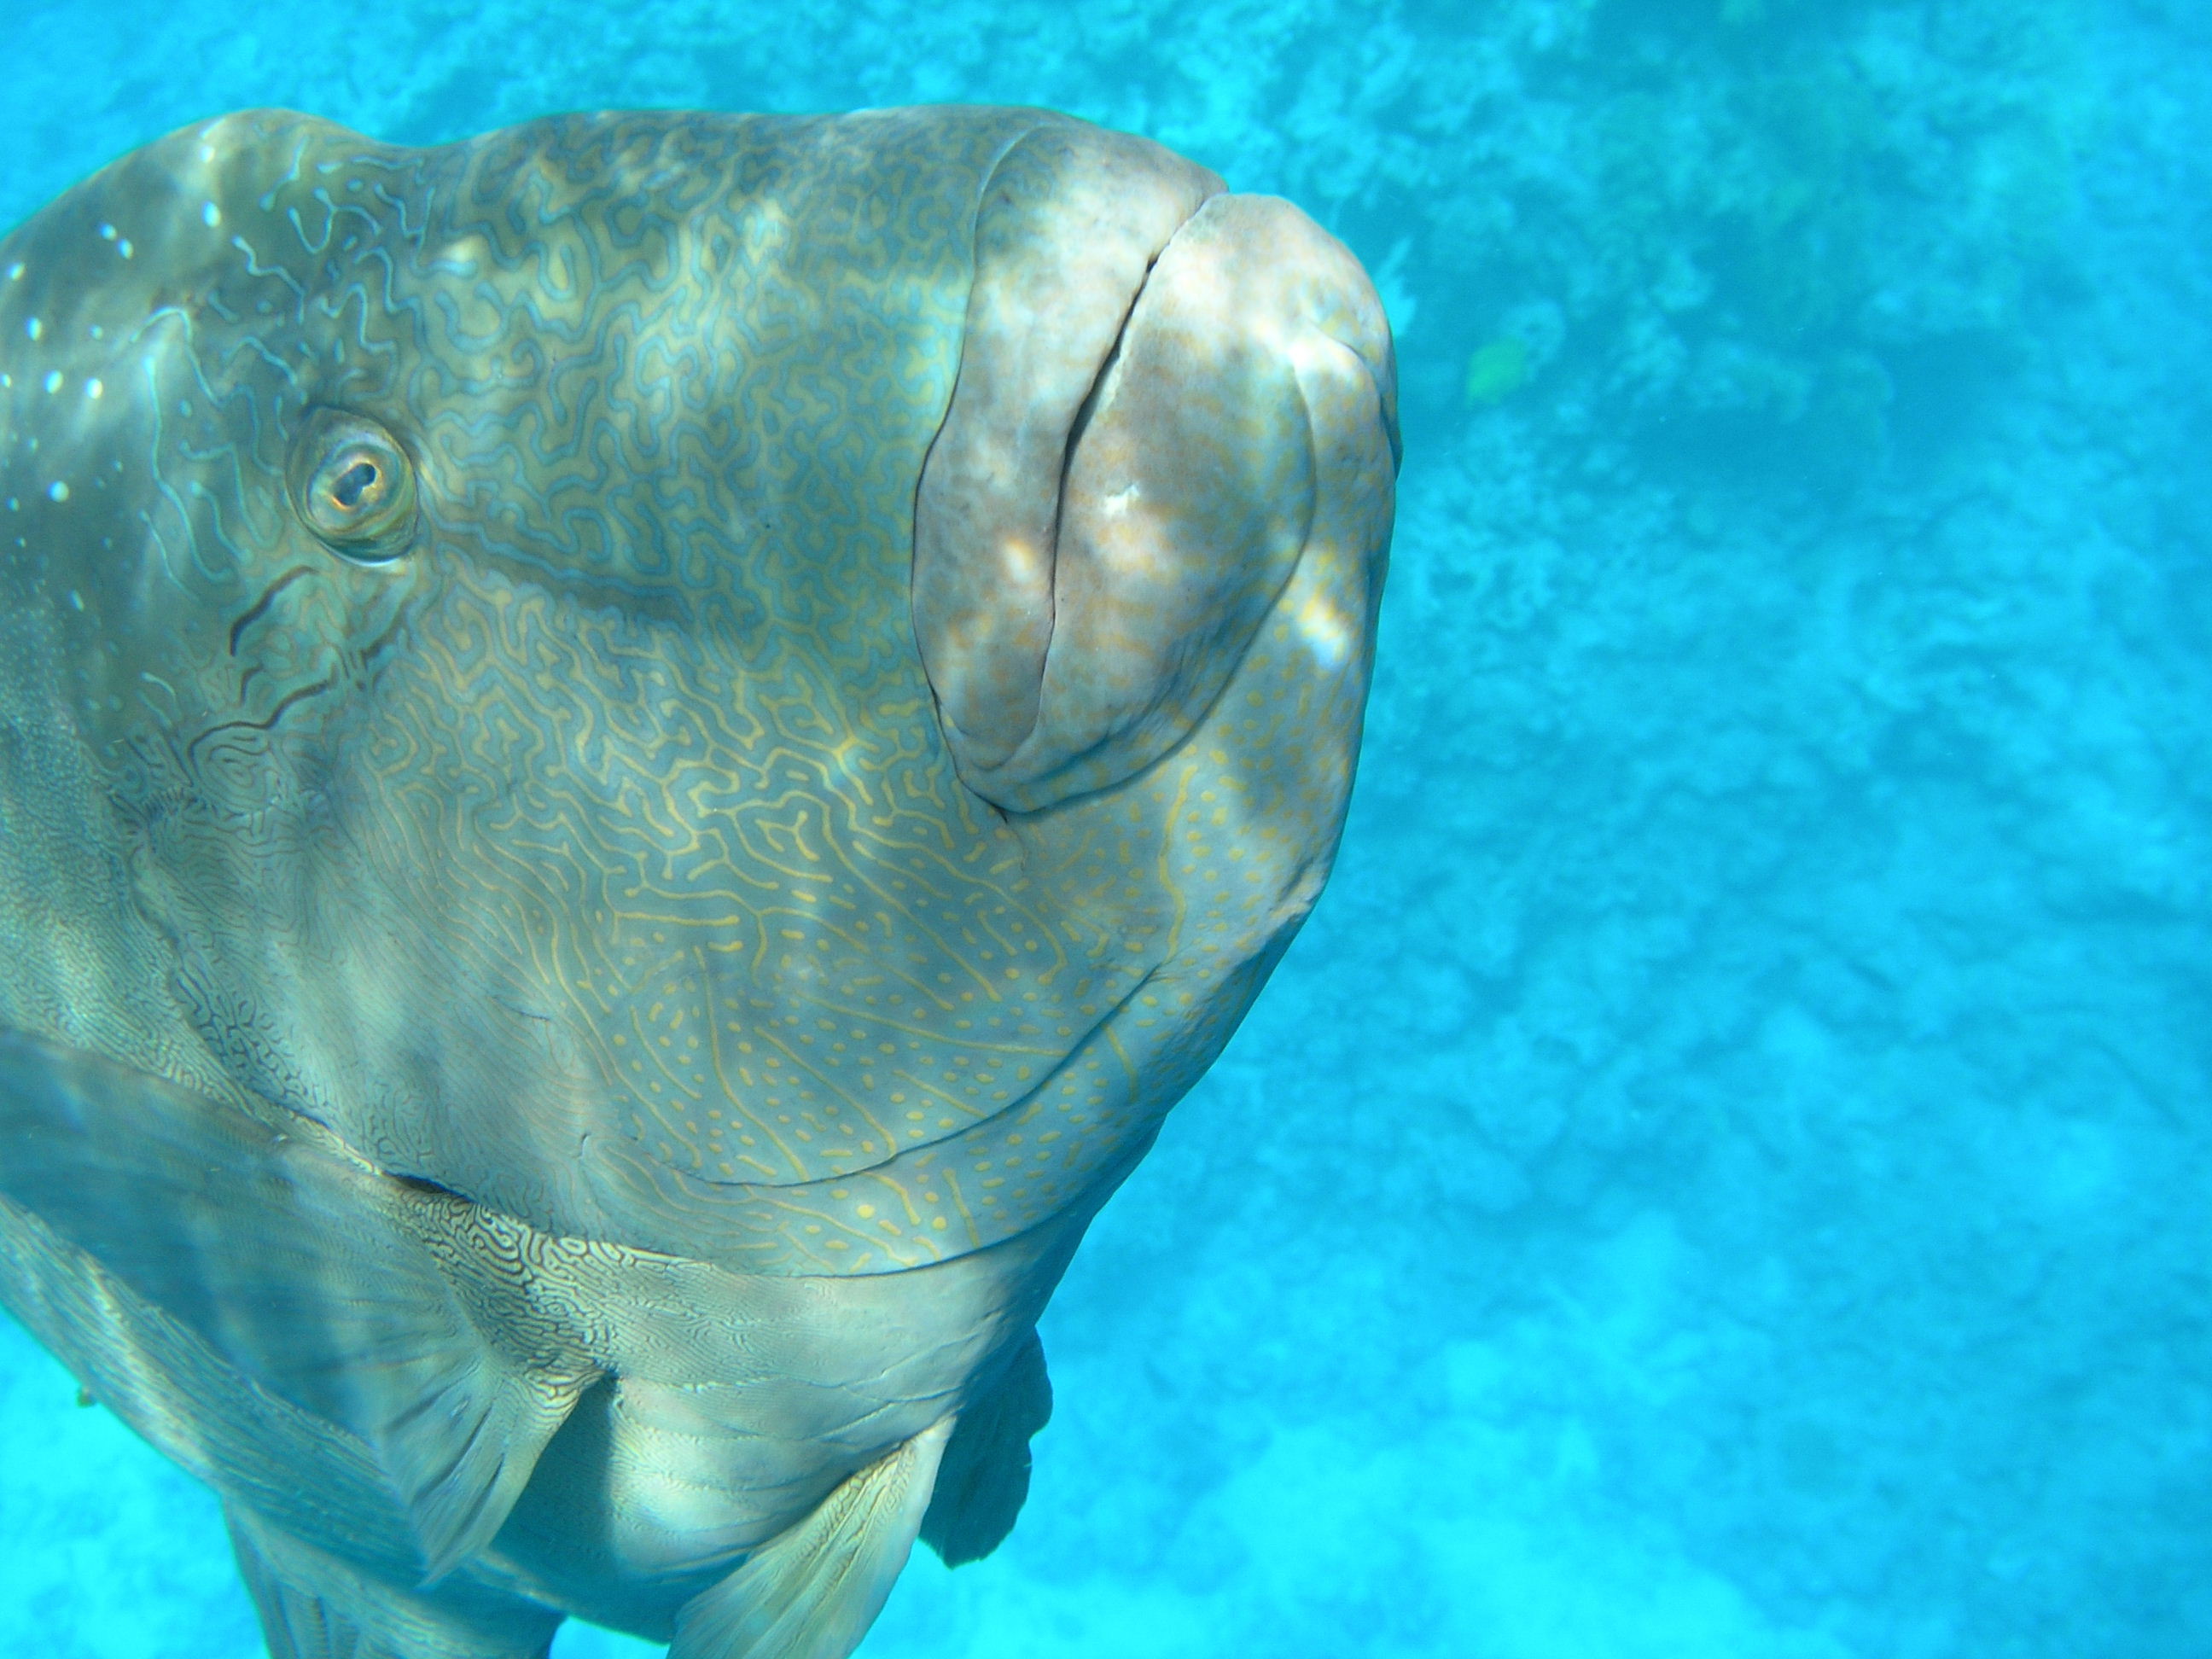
(1094, 554)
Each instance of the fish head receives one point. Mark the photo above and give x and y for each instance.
(763, 687)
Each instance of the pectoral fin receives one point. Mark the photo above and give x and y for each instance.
(312, 1275)
(812, 1593)
(462, 1450)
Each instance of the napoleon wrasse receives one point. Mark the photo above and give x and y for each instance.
(635, 757)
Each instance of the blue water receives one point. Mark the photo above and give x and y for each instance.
(1727, 1170)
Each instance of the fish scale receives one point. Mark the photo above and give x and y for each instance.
(523, 998)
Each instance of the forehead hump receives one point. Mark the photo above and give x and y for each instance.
(617, 344)
(776, 477)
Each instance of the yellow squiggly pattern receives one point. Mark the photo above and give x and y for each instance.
(599, 858)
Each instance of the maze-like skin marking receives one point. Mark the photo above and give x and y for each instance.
(847, 679)
(601, 859)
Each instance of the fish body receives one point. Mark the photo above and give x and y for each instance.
(635, 757)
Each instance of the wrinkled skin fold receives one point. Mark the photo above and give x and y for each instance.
(636, 756)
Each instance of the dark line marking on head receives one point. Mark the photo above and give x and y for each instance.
(268, 597)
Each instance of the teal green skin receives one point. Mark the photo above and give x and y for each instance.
(841, 681)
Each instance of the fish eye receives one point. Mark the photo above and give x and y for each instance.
(355, 486)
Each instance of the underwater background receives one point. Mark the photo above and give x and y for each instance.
(1725, 1172)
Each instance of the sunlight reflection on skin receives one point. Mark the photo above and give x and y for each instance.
(643, 927)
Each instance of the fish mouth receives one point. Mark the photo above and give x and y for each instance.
(1131, 466)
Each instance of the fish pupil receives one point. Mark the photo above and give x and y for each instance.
(355, 481)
